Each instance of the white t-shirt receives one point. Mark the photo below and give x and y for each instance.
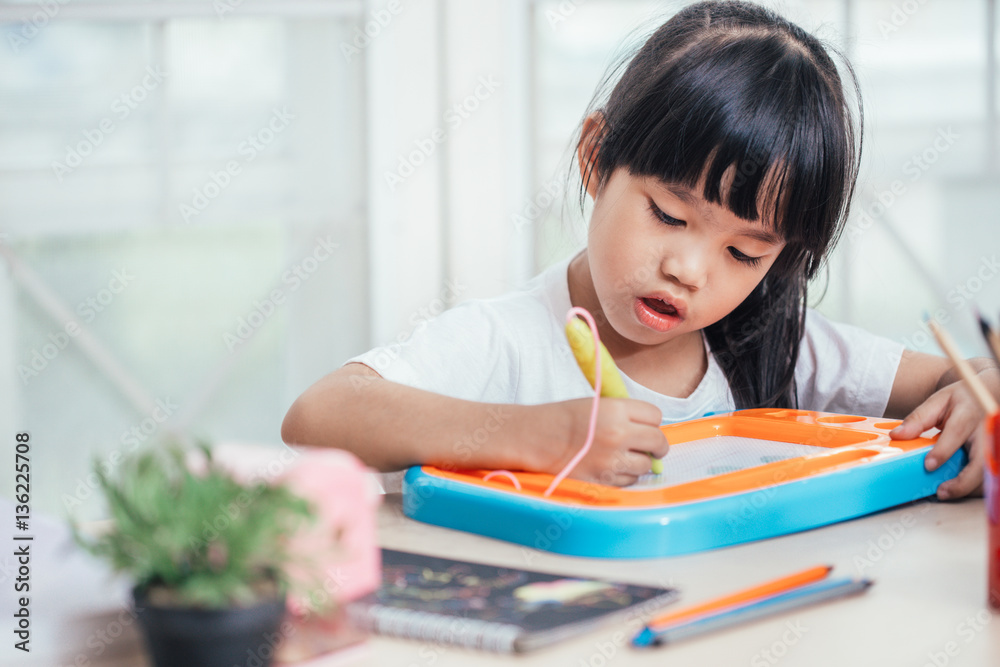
(513, 349)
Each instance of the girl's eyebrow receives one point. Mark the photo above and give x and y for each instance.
(682, 193)
(763, 236)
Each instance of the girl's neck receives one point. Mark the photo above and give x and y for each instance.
(684, 356)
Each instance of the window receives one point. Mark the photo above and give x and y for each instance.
(183, 217)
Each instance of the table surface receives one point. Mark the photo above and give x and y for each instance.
(927, 607)
(928, 604)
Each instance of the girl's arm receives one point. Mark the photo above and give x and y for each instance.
(927, 391)
(391, 426)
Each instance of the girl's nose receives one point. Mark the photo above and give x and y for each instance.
(686, 264)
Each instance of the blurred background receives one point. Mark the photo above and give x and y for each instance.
(207, 205)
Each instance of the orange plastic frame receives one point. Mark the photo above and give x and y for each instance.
(852, 441)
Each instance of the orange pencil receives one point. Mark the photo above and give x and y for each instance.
(773, 587)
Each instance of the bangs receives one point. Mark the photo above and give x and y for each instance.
(747, 114)
(733, 102)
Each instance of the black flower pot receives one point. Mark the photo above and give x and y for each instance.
(189, 637)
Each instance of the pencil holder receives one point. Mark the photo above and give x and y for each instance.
(991, 482)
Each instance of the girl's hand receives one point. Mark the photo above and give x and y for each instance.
(627, 431)
(955, 411)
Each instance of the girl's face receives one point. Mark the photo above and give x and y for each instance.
(664, 261)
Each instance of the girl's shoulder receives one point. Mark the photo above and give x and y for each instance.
(822, 331)
(844, 368)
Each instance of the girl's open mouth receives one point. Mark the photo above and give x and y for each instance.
(657, 314)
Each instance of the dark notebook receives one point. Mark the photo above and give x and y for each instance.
(494, 608)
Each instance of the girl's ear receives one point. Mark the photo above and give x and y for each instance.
(586, 150)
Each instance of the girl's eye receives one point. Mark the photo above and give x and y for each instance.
(752, 262)
(663, 217)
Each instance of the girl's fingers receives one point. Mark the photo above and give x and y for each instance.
(622, 469)
(631, 462)
(649, 440)
(638, 464)
(956, 433)
(643, 413)
(926, 415)
(969, 480)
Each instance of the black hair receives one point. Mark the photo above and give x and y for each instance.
(734, 93)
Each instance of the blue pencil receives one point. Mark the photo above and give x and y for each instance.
(793, 599)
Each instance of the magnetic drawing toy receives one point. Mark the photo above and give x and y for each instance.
(728, 478)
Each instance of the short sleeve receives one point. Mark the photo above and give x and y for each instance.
(466, 352)
(843, 368)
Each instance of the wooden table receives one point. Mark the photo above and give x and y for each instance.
(927, 606)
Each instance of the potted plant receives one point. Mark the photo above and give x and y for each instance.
(208, 555)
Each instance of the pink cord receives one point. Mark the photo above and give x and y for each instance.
(506, 473)
(597, 398)
(582, 312)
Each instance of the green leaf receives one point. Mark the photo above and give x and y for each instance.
(211, 539)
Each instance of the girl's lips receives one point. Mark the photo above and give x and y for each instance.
(654, 319)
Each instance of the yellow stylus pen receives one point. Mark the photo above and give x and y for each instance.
(581, 341)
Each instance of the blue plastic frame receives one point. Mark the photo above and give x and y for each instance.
(579, 530)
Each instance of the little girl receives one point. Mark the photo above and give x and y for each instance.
(721, 167)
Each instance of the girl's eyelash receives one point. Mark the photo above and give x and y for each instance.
(752, 262)
(663, 217)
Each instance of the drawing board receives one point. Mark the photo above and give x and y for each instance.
(728, 478)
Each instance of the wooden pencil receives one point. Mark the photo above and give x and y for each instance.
(979, 390)
(992, 338)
